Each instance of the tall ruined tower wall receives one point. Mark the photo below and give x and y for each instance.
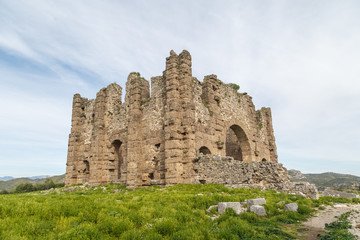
(153, 139)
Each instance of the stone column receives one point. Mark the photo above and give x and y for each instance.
(179, 118)
(137, 91)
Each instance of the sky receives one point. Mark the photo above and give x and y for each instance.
(299, 57)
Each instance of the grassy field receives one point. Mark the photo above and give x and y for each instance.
(177, 212)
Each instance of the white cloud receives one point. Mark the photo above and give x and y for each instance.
(299, 57)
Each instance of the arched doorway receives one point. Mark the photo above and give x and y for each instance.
(237, 144)
(117, 144)
(204, 150)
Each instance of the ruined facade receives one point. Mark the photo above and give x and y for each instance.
(153, 139)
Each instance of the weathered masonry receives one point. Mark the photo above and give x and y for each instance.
(153, 139)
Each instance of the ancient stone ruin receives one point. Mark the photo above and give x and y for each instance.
(155, 135)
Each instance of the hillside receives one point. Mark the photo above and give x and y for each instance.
(13, 183)
(328, 179)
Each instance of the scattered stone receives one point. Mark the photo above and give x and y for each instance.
(304, 189)
(258, 210)
(70, 189)
(236, 206)
(293, 207)
(256, 201)
(333, 193)
(281, 202)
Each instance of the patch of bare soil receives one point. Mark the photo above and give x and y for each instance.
(316, 224)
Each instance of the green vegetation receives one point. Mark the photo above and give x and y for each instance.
(339, 229)
(234, 86)
(177, 212)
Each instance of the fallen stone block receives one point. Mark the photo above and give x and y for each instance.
(293, 207)
(258, 210)
(236, 206)
(256, 201)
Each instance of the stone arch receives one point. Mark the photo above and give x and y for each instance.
(237, 144)
(204, 150)
(117, 145)
(264, 160)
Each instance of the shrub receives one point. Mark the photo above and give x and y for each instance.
(4, 192)
(24, 187)
(234, 86)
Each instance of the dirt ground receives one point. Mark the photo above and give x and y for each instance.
(316, 224)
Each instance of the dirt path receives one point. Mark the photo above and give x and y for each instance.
(316, 224)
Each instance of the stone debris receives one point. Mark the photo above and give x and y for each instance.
(236, 206)
(258, 210)
(354, 220)
(293, 207)
(236, 174)
(333, 193)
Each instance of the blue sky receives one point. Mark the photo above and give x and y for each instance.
(301, 58)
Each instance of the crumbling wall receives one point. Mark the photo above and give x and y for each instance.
(226, 170)
(235, 174)
(153, 136)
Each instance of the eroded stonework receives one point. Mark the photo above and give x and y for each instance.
(152, 139)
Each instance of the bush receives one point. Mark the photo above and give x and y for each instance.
(234, 86)
(24, 187)
(4, 192)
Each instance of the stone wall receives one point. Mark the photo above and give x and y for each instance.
(234, 173)
(153, 136)
(226, 170)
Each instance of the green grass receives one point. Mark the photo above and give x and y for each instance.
(177, 212)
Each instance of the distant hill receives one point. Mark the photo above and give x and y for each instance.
(6, 178)
(328, 179)
(13, 183)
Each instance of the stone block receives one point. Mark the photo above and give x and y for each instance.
(293, 207)
(258, 210)
(236, 206)
(256, 201)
